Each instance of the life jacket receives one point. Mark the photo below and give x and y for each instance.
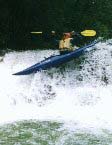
(65, 44)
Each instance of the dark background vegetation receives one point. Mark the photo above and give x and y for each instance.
(19, 17)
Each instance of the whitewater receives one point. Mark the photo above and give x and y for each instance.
(79, 92)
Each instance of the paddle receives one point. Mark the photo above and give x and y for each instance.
(87, 33)
(36, 32)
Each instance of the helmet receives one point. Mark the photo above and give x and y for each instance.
(67, 35)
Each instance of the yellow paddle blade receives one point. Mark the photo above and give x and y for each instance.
(88, 33)
(36, 32)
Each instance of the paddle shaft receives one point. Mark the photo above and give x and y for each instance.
(88, 33)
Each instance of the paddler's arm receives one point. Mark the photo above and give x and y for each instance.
(76, 38)
(51, 38)
(76, 34)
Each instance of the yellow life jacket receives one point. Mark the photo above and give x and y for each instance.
(65, 44)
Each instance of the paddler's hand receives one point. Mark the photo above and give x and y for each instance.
(72, 32)
(53, 32)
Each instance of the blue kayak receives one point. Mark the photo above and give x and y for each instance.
(54, 61)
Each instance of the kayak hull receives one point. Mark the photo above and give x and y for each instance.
(54, 61)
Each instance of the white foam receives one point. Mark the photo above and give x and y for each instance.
(57, 95)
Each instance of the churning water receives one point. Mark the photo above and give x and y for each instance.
(77, 94)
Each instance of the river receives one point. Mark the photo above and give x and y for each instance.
(68, 105)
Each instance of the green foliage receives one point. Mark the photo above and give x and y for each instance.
(19, 18)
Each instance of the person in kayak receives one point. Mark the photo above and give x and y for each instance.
(66, 44)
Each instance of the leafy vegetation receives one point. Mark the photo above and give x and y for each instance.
(18, 18)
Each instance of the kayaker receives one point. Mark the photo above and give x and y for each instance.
(65, 44)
